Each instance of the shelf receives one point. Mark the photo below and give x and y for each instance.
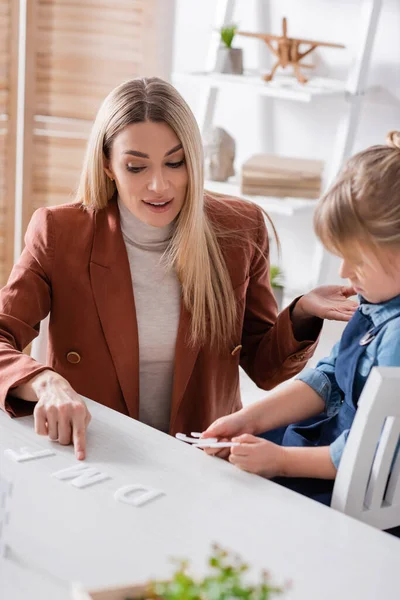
(282, 86)
(278, 206)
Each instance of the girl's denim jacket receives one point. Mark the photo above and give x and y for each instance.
(383, 351)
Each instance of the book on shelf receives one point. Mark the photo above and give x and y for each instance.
(280, 192)
(273, 175)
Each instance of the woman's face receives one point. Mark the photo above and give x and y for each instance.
(148, 165)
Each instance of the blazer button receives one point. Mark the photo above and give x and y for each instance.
(74, 358)
(298, 357)
(236, 350)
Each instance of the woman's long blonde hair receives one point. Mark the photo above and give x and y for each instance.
(363, 205)
(194, 252)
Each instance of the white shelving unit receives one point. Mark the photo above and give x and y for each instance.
(352, 91)
(277, 206)
(282, 86)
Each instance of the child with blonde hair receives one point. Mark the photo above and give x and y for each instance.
(308, 420)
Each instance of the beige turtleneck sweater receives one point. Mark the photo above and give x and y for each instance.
(157, 295)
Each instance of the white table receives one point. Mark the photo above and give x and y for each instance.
(66, 534)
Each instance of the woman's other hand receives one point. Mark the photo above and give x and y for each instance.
(330, 302)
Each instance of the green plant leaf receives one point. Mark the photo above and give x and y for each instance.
(225, 581)
(227, 34)
(276, 276)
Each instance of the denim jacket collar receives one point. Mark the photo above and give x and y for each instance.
(378, 313)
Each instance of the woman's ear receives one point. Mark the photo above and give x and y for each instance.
(107, 169)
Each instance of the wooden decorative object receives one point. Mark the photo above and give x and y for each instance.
(113, 593)
(287, 50)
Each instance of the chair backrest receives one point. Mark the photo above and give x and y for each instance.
(39, 344)
(367, 484)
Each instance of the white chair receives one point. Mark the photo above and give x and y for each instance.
(39, 344)
(367, 484)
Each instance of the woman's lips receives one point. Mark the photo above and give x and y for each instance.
(158, 206)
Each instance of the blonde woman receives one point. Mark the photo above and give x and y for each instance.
(359, 220)
(156, 290)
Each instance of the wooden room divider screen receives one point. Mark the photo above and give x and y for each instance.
(8, 105)
(59, 59)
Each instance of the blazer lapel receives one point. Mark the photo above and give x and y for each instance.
(185, 358)
(113, 294)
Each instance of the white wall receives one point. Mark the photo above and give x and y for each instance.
(293, 128)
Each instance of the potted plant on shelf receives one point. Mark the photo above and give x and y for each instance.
(225, 580)
(229, 60)
(276, 279)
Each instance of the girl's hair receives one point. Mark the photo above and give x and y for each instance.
(194, 252)
(363, 205)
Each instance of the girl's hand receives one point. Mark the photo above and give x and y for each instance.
(258, 456)
(327, 302)
(224, 429)
(60, 412)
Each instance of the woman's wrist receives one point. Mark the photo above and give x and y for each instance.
(30, 390)
(305, 325)
(301, 311)
(43, 380)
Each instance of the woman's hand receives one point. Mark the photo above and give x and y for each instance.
(60, 412)
(326, 302)
(225, 429)
(258, 456)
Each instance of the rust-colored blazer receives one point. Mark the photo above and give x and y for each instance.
(75, 266)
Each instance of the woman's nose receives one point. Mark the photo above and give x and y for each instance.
(158, 183)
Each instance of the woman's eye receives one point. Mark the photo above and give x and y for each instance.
(134, 169)
(176, 165)
(171, 165)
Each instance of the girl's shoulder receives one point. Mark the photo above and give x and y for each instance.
(386, 346)
(391, 329)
